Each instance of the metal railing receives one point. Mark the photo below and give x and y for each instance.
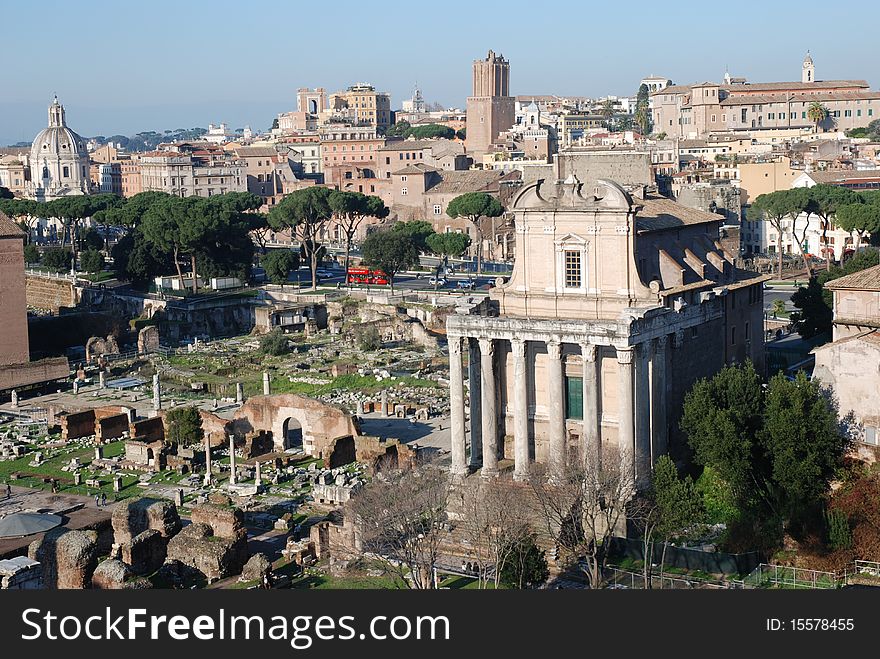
(783, 576)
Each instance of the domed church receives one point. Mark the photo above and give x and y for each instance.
(59, 161)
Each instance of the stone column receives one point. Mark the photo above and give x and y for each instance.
(476, 396)
(14, 398)
(267, 385)
(232, 459)
(592, 418)
(556, 409)
(239, 393)
(659, 424)
(488, 408)
(456, 408)
(643, 415)
(258, 479)
(101, 379)
(207, 459)
(157, 393)
(625, 409)
(520, 410)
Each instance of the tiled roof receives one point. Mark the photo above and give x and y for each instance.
(673, 89)
(783, 97)
(255, 152)
(417, 168)
(818, 84)
(472, 180)
(660, 213)
(863, 280)
(842, 175)
(408, 145)
(8, 228)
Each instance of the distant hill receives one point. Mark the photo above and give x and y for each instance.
(149, 140)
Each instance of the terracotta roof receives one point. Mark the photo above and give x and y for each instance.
(863, 280)
(417, 168)
(8, 228)
(844, 175)
(818, 84)
(255, 152)
(408, 145)
(471, 180)
(673, 89)
(660, 213)
(783, 97)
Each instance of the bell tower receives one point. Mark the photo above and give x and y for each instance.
(809, 72)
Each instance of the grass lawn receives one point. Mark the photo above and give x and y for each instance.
(327, 582)
(466, 583)
(38, 477)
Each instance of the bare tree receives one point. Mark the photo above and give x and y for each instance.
(400, 516)
(584, 508)
(495, 516)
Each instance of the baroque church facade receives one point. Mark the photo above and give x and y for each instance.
(59, 160)
(617, 304)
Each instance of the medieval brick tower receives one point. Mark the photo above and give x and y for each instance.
(490, 108)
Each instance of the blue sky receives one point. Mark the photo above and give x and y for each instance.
(122, 67)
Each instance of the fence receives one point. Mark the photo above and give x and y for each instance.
(619, 578)
(782, 576)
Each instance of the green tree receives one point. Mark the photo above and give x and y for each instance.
(643, 112)
(461, 134)
(390, 252)
(524, 565)
(93, 240)
(798, 202)
(826, 200)
(91, 260)
(399, 129)
(679, 509)
(814, 316)
(369, 338)
(57, 259)
(275, 343)
(817, 113)
(31, 254)
(448, 245)
(350, 209)
(860, 218)
(169, 225)
(608, 111)
(5, 193)
(419, 230)
(776, 448)
(432, 131)
(279, 263)
(305, 212)
(137, 260)
(475, 206)
(771, 208)
(183, 426)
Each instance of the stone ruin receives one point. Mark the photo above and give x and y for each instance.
(98, 347)
(113, 574)
(141, 530)
(257, 567)
(376, 454)
(20, 573)
(214, 544)
(335, 487)
(68, 558)
(148, 340)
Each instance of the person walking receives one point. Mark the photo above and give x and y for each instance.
(103, 498)
(97, 501)
(8, 491)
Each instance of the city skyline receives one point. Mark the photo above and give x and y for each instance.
(134, 93)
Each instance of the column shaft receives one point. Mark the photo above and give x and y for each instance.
(476, 401)
(643, 415)
(592, 419)
(520, 410)
(556, 408)
(625, 409)
(659, 423)
(456, 409)
(489, 409)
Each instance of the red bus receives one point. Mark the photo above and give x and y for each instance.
(361, 275)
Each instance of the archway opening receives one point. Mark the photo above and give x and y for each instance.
(292, 434)
(313, 106)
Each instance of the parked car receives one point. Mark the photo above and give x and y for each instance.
(467, 284)
(438, 281)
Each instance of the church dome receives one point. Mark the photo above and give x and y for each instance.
(59, 158)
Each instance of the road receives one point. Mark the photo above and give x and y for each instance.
(773, 293)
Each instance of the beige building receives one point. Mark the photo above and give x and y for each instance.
(199, 173)
(491, 109)
(572, 127)
(350, 152)
(14, 173)
(851, 363)
(695, 111)
(447, 155)
(616, 305)
(362, 104)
